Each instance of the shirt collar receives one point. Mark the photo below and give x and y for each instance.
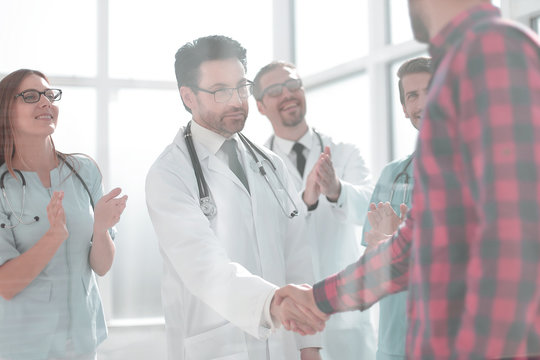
(454, 31)
(209, 139)
(285, 146)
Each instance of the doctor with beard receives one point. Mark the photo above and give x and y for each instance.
(334, 183)
(228, 237)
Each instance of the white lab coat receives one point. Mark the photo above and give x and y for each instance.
(335, 239)
(218, 273)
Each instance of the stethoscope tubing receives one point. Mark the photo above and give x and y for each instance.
(23, 198)
(406, 182)
(206, 204)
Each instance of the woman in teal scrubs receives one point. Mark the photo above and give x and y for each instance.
(54, 231)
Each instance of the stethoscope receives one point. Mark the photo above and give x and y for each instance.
(206, 203)
(23, 197)
(403, 174)
(314, 131)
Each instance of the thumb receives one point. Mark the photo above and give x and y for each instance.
(112, 194)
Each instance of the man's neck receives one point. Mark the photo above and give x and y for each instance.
(292, 133)
(441, 12)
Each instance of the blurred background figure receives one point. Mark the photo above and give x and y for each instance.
(335, 186)
(395, 187)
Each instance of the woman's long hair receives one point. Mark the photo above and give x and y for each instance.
(8, 90)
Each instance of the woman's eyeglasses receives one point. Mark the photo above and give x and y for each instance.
(32, 96)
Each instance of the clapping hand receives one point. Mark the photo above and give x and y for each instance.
(326, 176)
(108, 210)
(384, 219)
(384, 222)
(322, 179)
(57, 216)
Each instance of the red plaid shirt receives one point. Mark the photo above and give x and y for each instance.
(469, 250)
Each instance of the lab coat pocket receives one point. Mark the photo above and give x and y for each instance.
(226, 342)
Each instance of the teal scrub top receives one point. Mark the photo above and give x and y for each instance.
(393, 308)
(63, 301)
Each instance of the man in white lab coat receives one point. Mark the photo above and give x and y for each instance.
(334, 183)
(227, 240)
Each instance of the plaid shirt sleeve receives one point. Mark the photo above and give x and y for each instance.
(381, 272)
(497, 88)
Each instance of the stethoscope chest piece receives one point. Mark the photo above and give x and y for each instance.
(208, 207)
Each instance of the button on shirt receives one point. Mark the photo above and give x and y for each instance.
(473, 234)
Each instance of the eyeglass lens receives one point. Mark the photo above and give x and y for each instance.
(224, 95)
(33, 96)
(277, 89)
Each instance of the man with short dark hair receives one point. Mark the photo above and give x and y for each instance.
(394, 188)
(469, 249)
(228, 235)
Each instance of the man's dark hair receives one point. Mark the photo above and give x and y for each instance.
(257, 90)
(190, 57)
(412, 66)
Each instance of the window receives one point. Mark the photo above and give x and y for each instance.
(37, 34)
(120, 103)
(535, 24)
(343, 105)
(324, 41)
(400, 26)
(146, 112)
(144, 129)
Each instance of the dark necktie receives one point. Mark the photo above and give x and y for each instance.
(229, 147)
(300, 158)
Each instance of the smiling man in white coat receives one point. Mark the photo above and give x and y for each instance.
(228, 235)
(336, 186)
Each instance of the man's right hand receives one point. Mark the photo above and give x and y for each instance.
(294, 306)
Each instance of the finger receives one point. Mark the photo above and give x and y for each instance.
(403, 208)
(278, 298)
(327, 151)
(314, 320)
(112, 194)
(372, 207)
(296, 328)
(303, 329)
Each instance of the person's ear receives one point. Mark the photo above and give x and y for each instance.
(187, 95)
(261, 107)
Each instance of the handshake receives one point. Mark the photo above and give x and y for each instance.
(295, 308)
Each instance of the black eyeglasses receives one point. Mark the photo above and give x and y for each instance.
(32, 96)
(277, 89)
(225, 94)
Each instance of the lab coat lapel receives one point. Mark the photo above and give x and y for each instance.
(219, 166)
